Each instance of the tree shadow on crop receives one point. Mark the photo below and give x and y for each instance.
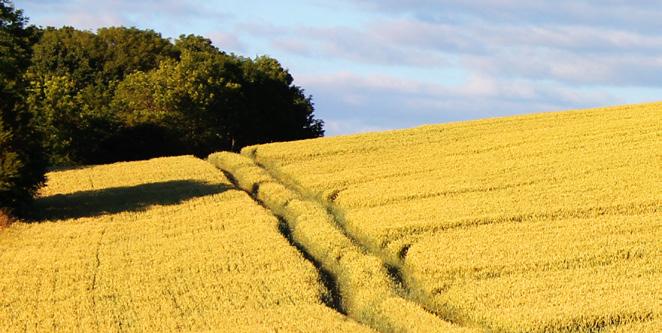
(120, 199)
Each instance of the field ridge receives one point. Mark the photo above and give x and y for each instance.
(394, 262)
(368, 292)
(331, 296)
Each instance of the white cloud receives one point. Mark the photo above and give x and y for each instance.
(573, 54)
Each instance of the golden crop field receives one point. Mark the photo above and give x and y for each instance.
(540, 223)
(369, 295)
(156, 246)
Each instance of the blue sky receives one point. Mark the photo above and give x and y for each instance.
(383, 64)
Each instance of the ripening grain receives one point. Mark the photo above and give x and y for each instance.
(160, 245)
(368, 294)
(546, 222)
(638, 327)
(608, 268)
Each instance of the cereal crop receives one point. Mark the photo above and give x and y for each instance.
(160, 245)
(539, 223)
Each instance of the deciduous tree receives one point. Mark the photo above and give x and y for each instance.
(22, 165)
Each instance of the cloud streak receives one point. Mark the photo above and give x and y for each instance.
(575, 55)
(634, 15)
(90, 14)
(383, 101)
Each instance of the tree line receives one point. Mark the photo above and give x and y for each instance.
(73, 97)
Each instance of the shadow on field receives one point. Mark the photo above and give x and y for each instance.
(120, 199)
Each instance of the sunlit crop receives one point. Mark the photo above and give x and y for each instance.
(161, 245)
(540, 223)
(368, 293)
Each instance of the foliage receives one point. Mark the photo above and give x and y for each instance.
(127, 50)
(125, 93)
(289, 113)
(65, 115)
(73, 77)
(98, 58)
(214, 101)
(189, 97)
(22, 165)
(156, 246)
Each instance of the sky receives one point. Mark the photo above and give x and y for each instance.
(383, 64)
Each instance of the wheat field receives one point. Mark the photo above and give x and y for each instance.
(539, 223)
(369, 294)
(156, 246)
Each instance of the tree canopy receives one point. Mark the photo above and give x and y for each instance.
(125, 93)
(22, 163)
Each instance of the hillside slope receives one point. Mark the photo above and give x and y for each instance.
(156, 246)
(540, 223)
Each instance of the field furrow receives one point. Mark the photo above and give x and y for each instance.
(367, 292)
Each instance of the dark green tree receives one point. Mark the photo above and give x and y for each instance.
(276, 109)
(73, 77)
(186, 98)
(214, 101)
(94, 59)
(127, 50)
(22, 164)
(194, 43)
(125, 94)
